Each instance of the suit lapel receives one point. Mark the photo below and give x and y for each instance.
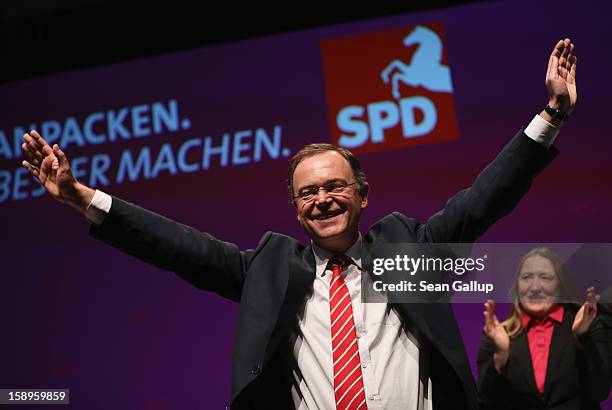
(557, 346)
(522, 355)
(301, 271)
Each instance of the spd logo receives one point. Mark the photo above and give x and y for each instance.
(389, 89)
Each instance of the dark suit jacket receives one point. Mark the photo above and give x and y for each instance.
(271, 281)
(577, 374)
(605, 312)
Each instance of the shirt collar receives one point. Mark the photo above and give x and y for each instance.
(322, 256)
(556, 315)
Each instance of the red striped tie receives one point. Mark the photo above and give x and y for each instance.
(348, 381)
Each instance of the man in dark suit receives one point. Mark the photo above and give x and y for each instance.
(304, 338)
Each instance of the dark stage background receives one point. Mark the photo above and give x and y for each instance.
(122, 335)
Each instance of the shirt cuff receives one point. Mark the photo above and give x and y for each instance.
(542, 131)
(99, 207)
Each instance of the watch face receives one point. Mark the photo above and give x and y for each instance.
(556, 114)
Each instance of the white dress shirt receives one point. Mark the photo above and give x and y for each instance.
(393, 365)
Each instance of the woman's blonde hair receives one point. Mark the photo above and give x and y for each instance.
(567, 291)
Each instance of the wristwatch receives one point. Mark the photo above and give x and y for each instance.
(556, 113)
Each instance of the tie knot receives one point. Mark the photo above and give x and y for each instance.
(339, 262)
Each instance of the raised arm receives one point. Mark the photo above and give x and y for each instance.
(197, 257)
(500, 186)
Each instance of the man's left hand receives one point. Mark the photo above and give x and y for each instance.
(561, 77)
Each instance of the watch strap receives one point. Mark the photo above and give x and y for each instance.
(556, 113)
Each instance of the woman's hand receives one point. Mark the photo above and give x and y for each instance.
(586, 314)
(497, 334)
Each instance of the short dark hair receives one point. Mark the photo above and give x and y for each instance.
(315, 149)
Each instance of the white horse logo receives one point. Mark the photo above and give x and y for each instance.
(425, 69)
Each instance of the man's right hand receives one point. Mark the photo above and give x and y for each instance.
(51, 167)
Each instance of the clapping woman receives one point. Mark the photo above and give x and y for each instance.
(550, 353)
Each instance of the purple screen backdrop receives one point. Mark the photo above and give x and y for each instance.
(123, 335)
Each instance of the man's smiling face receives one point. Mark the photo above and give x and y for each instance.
(331, 221)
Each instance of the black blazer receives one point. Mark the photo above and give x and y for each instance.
(605, 313)
(271, 281)
(577, 374)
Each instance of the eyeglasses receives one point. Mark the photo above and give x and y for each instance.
(333, 188)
